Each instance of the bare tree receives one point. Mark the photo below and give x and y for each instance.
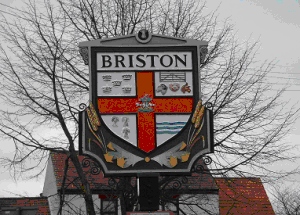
(287, 201)
(43, 87)
(250, 119)
(43, 81)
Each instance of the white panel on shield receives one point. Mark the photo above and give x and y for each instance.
(167, 126)
(116, 84)
(123, 126)
(174, 83)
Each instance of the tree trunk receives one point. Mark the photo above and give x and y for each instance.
(89, 204)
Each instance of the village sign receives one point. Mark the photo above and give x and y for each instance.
(145, 114)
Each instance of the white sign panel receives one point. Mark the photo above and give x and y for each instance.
(119, 61)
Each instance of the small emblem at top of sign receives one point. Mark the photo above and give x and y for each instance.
(143, 36)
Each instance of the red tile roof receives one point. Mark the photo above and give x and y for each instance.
(201, 180)
(243, 196)
(40, 202)
(72, 180)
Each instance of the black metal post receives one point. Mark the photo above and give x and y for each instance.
(148, 193)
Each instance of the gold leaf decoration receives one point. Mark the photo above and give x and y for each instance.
(173, 161)
(110, 146)
(94, 115)
(121, 162)
(108, 157)
(185, 157)
(199, 104)
(90, 116)
(199, 117)
(183, 145)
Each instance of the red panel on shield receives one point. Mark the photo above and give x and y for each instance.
(119, 105)
(146, 126)
(171, 105)
(146, 135)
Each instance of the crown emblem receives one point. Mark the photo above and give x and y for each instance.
(116, 83)
(126, 89)
(106, 89)
(126, 77)
(106, 77)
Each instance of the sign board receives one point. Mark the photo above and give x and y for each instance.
(151, 213)
(145, 114)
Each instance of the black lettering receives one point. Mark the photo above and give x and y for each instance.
(141, 60)
(177, 58)
(130, 60)
(152, 59)
(119, 59)
(106, 59)
(163, 63)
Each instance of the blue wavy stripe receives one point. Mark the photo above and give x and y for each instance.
(170, 123)
(167, 132)
(168, 127)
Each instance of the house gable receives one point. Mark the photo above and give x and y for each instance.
(226, 195)
(243, 196)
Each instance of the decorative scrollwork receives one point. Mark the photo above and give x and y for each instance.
(95, 170)
(82, 106)
(172, 186)
(198, 168)
(176, 184)
(94, 167)
(207, 160)
(86, 162)
(208, 105)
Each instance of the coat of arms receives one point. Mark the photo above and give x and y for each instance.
(145, 111)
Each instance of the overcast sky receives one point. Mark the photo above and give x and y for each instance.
(276, 23)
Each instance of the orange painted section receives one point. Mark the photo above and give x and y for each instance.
(171, 105)
(144, 84)
(117, 105)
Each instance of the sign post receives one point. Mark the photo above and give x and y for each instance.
(145, 114)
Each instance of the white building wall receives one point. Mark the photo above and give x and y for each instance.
(50, 187)
(74, 204)
(200, 204)
(197, 204)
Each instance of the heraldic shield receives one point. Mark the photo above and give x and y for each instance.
(149, 108)
(145, 114)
